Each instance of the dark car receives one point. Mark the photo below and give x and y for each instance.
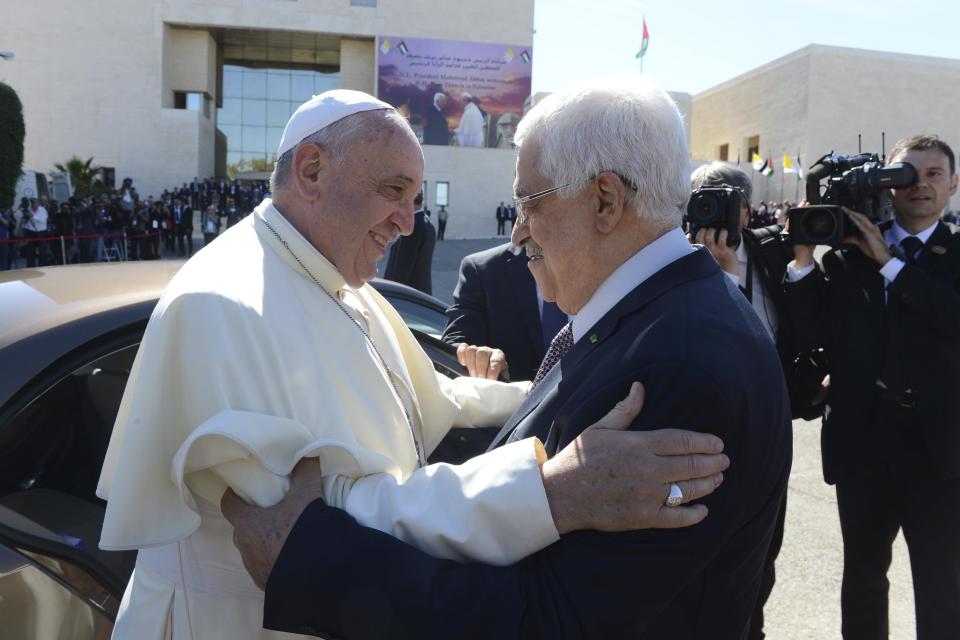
(68, 337)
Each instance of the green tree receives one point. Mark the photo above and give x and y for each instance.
(11, 144)
(84, 176)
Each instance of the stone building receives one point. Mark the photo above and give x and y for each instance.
(167, 90)
(820, 99)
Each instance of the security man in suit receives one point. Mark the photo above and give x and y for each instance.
(885, 307)
(183, 227)
(411, 258)
(496, 305)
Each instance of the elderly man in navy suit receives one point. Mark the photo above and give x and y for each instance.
(601, 185)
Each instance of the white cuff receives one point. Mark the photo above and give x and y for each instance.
(492, 508)
(734, 278)
(892, 269)
(794, 274)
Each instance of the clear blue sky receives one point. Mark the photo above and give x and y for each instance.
(695, 44)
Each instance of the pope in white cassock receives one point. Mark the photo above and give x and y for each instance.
(470, 130)
(268, 347)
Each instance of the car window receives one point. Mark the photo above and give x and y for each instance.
(51, 453)
(36, 601)
(419, 317)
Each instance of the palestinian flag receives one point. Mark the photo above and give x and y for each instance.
(767, 167)
(644, 43)
(759, 164)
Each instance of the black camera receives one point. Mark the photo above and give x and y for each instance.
(715, 208)
(857, 182)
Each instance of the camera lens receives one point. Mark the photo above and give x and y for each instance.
(702, 210)
(819, 225)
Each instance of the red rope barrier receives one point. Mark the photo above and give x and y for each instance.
(82, 236)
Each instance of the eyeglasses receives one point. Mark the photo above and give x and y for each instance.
(519, 203)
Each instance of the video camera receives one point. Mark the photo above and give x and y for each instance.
(715, 208)
(858, 182)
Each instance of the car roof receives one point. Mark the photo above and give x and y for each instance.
(48, 312)
(33, 301)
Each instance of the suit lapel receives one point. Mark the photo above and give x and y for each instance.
(935, 257)
(699, 264)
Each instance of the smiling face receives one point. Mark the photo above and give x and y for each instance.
(367, 203)
(920, 205)
(556, 233)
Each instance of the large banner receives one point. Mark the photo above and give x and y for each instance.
(464, 94)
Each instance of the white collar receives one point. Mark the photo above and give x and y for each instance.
(669, 247)
(898, 233)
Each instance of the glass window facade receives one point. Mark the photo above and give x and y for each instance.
(257, 102)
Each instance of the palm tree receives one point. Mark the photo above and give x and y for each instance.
(84, 176)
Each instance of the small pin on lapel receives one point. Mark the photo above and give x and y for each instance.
(937, 249)
(593, 338)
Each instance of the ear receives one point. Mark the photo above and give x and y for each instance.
(611, 201)
(953, 183)
(310, 166)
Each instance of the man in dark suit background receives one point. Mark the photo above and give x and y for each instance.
(183, 227)
(601, 228)
(496, 304)
(436, 131)
(885, 308)
(411, 257)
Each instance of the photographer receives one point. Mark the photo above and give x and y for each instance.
(756, 264)
(885, 307)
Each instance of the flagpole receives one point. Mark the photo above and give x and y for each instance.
(800, 176)
(782, 174)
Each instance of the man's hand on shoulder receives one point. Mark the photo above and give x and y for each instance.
(611, 479)
(260, 533)
(482, 362)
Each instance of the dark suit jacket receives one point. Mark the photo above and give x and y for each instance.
(706, 362)
(411, 257)
(495, 305)
(841, 309)
(185, 225)
(436, 131)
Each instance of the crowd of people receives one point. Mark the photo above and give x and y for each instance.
(122, 225)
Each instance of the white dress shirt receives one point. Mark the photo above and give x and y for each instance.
(38, 220)
(666, 249)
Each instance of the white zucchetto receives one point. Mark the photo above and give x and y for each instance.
(319, 112)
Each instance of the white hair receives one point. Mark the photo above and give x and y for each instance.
(339, 138)
(626, 125)
(437, 97)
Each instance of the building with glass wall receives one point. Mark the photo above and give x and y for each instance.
(167, 91)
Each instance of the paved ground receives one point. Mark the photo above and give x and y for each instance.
(805, 603)
(446, 262)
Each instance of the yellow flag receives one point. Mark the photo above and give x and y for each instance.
(788, 164)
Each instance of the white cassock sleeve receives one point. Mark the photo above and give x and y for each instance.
(491, 509)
